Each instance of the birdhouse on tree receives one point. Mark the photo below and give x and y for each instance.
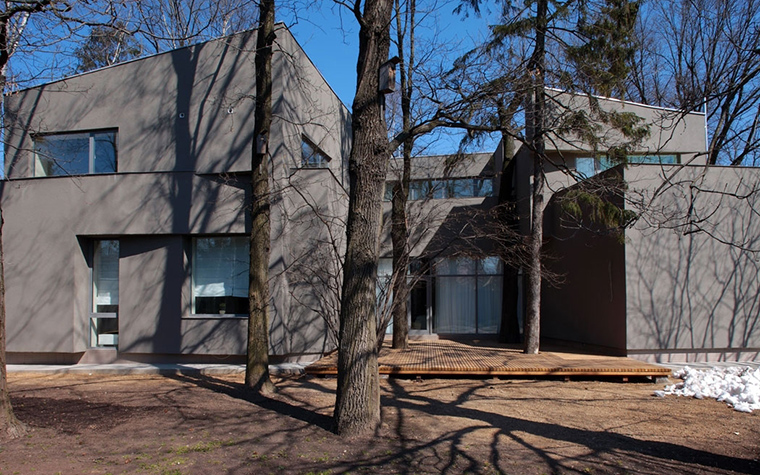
(387, 82)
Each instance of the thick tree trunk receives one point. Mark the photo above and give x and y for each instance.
(533, 284)
(9, 425)
(257, 362)
(357, 404)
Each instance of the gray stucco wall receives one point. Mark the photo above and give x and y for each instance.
(184, 121)
(190, 109)
(692, 286)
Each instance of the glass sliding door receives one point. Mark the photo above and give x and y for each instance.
(467, 296)
(104, 322)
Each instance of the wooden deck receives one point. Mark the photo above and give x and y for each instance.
(459, 358)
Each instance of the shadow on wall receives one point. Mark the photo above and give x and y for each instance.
(693, 271)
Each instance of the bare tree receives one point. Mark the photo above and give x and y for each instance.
(257, 361)
(171, 24)
(14, 18)
(702, 54)
(357, 404)
(405, 21)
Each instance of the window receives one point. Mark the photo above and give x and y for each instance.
(442, 189)
(104, 323)
(590, 166)
(75, 154)
(312, 156)
(467, 295)
(383, 290)
(220, 275)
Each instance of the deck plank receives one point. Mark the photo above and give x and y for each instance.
(458, 358)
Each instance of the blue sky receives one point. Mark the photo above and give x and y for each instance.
(329, 35)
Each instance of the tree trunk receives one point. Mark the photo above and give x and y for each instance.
(533, 291)
(9, 425)
(357, 404)
(399, 227)
(257, 361)
(400, 242)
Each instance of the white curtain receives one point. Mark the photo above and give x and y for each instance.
(489, 304)
(455, 305)
(466, 288)
(220, 267)
(105, 274)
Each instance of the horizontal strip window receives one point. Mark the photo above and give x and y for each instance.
(445, 189)
(81, 153)
(590, 166)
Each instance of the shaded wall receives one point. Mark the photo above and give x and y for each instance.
(586, 302)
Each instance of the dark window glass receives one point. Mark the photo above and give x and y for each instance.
(75, 154)
(312, 156)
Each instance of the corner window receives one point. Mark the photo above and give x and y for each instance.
(312, 156)
(75, 154)
(220, 275)
(104, 322)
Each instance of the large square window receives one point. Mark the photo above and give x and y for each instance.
(75, 154)
(220, 275)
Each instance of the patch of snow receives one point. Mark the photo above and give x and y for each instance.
(739, 387)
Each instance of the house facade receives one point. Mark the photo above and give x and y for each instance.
(126, 206)
(677, 283)
(126, 221)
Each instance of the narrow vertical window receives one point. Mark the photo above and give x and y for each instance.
(104, 323)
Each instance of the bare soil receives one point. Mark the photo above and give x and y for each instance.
(207, 424)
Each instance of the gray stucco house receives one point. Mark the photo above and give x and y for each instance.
(125, 206)
(125, 223)
(679, 284)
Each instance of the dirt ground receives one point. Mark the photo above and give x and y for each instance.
(205, 424)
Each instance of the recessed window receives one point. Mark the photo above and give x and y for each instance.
(220, 275)
(312, 156)
(104, 322)
(75, 154)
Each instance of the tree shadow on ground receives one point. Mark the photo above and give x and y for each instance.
(273, 403)
(652, 453)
